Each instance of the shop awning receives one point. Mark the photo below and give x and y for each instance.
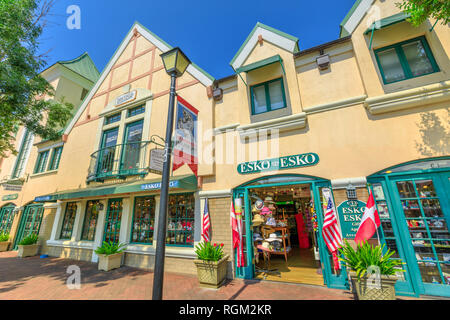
(187, 183)
(260, 64)
(386, 22)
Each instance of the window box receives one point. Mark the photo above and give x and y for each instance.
(268, 96)
(406, 60)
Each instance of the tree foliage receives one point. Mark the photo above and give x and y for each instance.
(26, 98)
(420, 10)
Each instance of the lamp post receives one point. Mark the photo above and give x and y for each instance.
(175, 63)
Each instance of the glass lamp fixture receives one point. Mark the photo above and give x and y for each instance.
(175, 61)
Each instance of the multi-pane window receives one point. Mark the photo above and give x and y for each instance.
(41, 161)
(90, 220)
(55, 158)
(135, 111)
(114, 118)
(406, 60)
(180, 229)
(23, 154)
(69, 220)
(143, 220)
(6, 218)
(113, 221)
(268, 96)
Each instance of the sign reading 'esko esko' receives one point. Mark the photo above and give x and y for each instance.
(288, 162)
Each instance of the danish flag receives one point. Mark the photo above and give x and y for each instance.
(369, 222)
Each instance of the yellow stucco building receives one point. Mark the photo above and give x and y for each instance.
(366, 112)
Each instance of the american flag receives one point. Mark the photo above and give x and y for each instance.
(206, 223)
(330, 230)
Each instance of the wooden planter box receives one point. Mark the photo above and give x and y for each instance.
(4, 246)
(366, 291)
(109, 262)
(212, 274)
(28, 250)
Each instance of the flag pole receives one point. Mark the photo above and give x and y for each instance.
(378, 235)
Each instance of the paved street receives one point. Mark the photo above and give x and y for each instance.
(36, 279)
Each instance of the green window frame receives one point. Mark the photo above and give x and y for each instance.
(403, 60)
(135, 111)
(142, 228)
(6, 218)
(90, 220)
(266, 86)
(55, 158)
(181, 216)
(113, 220)
(21, 157)
(69, 220)
(112, 119)
(41, 161)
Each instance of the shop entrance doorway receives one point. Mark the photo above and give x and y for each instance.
(282, 217)
(30, 222)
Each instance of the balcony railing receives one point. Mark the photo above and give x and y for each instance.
(120, 161)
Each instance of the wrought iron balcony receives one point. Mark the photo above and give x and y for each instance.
(120, 161)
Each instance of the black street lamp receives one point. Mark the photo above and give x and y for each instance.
(175, 63)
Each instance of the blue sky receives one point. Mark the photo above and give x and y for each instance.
(209, 32)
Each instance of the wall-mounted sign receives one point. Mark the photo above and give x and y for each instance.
(282, 163)
(12, 187)
(42, 199)
(350, 214)
(127, 97)
(156, 161)
(10, 197)
(157, 185)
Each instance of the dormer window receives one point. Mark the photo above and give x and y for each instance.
(406, 60)
(268, 96)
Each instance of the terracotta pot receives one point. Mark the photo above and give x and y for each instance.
(4, 246)
(109, 262)
(367, 290)
(28, 250)
(212, 274)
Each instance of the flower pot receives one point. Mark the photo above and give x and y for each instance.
(4, 246)
(367, 290)
(109, 262)
(28, 250)
(211, 274)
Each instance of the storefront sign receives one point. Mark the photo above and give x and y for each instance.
(127, 97)
(43, 199)
(12, 187)
(156, 186)
(10, 197)
(350, 214)
(288, 162)
(156, 161)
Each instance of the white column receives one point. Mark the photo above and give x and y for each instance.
(99, 229)
(155, 226)
(78, 223)
(59, 216)
(125, 223)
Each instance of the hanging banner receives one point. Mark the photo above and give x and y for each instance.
(185, 144)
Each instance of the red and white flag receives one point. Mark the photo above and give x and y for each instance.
(236, 227)
(369, 222)
(206, 223)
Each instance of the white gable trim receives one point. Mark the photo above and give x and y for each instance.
(358, 15)
(272, 37)
(194, 71)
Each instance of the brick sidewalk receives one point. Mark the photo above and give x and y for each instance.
(37, 279)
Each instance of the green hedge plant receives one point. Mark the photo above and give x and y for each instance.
(109, 248)
(367, 255)
(29, 240)
(4, 236)
(209, 252)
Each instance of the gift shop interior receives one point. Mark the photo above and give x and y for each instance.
(284, 225)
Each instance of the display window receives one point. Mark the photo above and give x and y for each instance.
(69, 220)
(113, 220)
(90, 220)
(180, 228)
(143, 220)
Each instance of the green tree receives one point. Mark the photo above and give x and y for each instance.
(420, 10)
(26, 98)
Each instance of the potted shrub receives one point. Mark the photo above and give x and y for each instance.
(368, 259)
(110, 255)
(28, 247)
(4, 243)
(211, 264)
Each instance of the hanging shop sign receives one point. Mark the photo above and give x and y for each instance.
(156, 161)
(288, 162)
(127, 97)
(10, 197)
(350, 215)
